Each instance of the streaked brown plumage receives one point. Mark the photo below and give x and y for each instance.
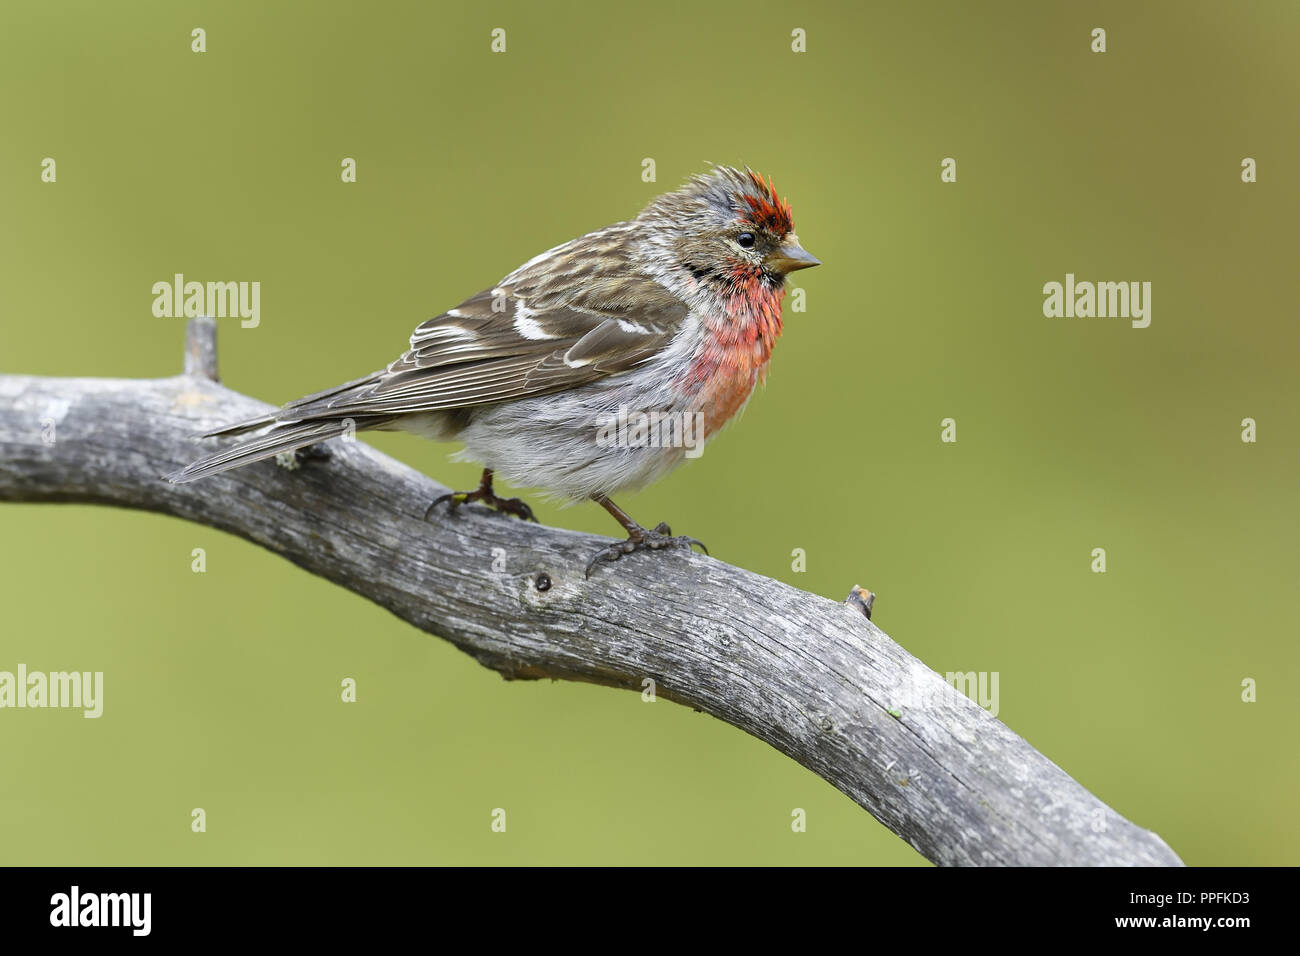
(674, 311)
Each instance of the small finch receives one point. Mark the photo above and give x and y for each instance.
(668, 317)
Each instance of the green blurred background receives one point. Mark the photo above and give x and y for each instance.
(222, 689)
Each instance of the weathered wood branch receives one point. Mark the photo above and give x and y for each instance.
(810, 676)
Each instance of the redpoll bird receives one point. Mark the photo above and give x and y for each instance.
(669, 318)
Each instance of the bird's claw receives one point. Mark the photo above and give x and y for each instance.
(655, 539)
(511, 506)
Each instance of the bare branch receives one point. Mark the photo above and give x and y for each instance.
(201, 348)
(811, 676)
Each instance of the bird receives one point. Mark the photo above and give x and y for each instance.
(668, 317)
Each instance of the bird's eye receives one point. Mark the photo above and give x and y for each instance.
(746, 240)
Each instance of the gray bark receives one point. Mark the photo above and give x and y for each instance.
(810, 676)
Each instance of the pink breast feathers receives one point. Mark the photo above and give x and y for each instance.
(735, 353)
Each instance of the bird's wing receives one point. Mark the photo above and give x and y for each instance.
(569, 317)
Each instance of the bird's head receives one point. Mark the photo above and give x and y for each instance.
(728, 228)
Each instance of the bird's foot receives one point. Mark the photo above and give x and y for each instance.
(642, 539)
(484, 493)
(509, 506)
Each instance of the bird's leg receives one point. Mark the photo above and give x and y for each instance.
(638, 538)
(485, 494)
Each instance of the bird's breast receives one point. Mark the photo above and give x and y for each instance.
(733, 357)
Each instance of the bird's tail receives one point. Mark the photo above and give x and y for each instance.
(281, 438)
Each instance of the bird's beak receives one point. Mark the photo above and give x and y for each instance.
(790, 256)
